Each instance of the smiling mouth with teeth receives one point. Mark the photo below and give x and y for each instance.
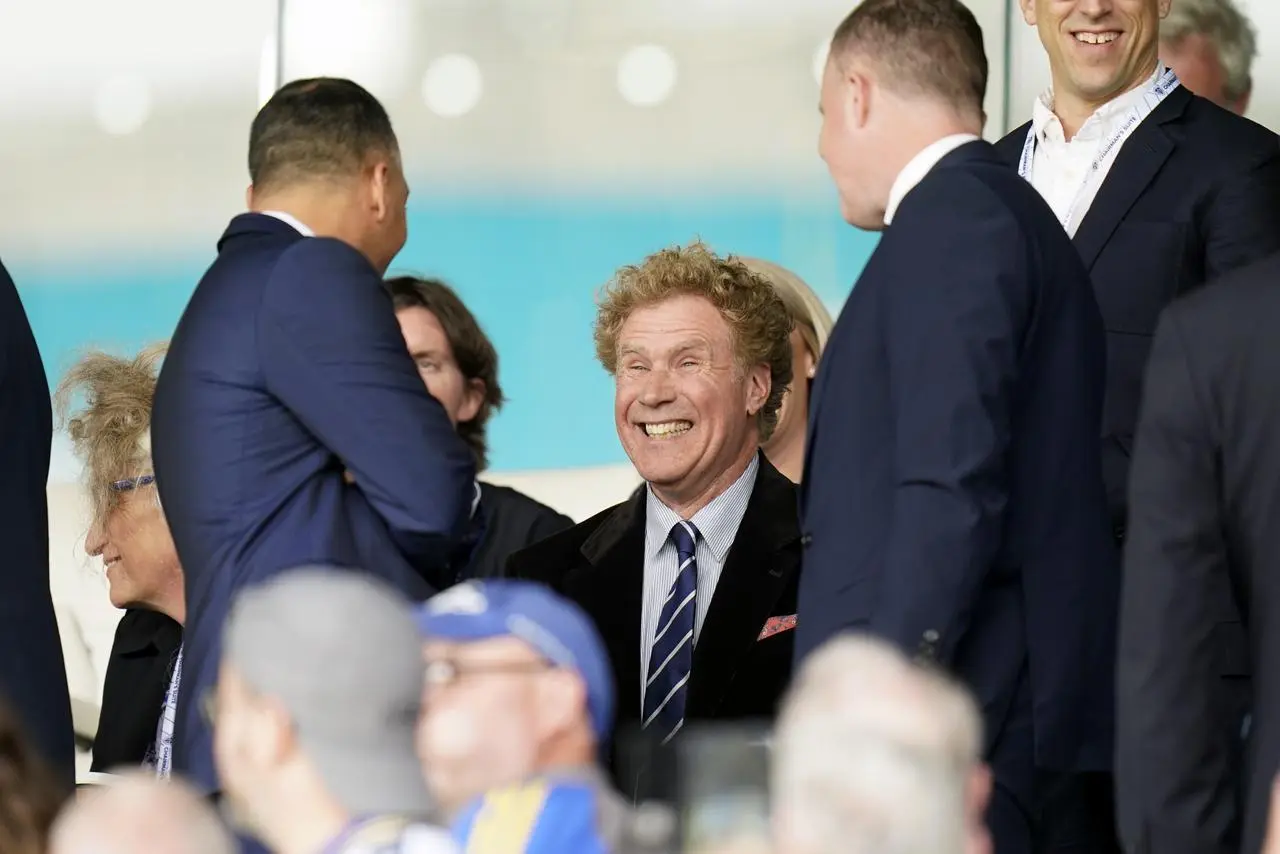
(1096, 38)
(667, 429)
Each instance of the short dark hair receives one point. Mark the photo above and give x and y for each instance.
(928, 47)
(472, 350)
(317, 128)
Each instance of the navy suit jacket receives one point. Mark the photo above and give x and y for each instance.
(952, 501)
(287, 367)
(33, 677)
(1193, 194)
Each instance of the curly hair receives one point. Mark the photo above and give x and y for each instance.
(29, 795)
(758, 320)
(111, 429)
(472, 350)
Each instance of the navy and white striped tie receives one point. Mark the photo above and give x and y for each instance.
(671, 659)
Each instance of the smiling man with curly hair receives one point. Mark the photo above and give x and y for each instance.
(707, 553)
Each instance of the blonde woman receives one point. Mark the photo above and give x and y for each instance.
(106, 402)
(785, 448)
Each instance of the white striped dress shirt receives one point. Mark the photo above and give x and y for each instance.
(717, 525)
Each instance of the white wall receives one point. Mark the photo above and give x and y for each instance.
(1029, 70)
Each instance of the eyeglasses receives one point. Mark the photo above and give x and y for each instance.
(442, 672)
(132, 483)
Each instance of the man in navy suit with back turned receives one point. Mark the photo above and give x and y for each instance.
(952, 499)
(33, 677)
(287, 369)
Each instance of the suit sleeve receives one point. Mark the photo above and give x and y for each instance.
(333, 354)
(953, 330)
(1172, 781)
(1242, 223)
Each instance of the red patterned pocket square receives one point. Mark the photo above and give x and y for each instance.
(777, 625)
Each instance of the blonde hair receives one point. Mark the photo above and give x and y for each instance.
(111, 428)
(758, 320)
(811, 317)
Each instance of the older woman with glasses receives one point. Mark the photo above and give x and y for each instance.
(106, 403)
(785, 448)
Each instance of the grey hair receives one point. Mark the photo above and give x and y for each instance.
(1227, 28)
(873, 755)
(138, 814)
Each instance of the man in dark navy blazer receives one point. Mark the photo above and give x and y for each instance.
(288, 369)
(1186, 191)
(952, 499)
(33, 677)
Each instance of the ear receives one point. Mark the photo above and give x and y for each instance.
(809, 365)
(759, 382)
(1029, 11)
(562, 699)
(380, 190)
(273, 741)
(857, 93)
(472, 402)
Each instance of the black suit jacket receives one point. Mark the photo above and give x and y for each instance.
(1193, 194)
(138, 674)
(512, 521)
(33, 677)
(952, 498)
(1203, 541)
(599, 564)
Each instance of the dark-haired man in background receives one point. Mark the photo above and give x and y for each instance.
(954, 504)
(287, 368)
(459, 364)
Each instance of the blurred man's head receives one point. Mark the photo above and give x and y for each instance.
(874, 755)
(700, 351)
(318, 695)
(456, 360)
(139, 814)
(1211, 46)
(900, 75)
(517, 683)
(323, 150)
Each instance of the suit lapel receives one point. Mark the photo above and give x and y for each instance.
(1137, 164)
(610, 587)
(756, 572)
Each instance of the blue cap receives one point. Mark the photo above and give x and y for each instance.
(558, 629)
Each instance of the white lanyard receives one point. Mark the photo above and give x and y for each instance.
(1108, 149)
(168, 715)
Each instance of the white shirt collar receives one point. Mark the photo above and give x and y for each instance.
(717, 522)
(1105, 120)
(915, 170)
(292, 220)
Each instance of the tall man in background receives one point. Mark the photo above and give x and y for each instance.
(1161, 191)
(33, 677)
(952, 499)
(1211, 45)
(288, 367)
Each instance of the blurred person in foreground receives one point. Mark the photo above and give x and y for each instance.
(287, 370)
(1192, 776)
(30, 794)
(1211, 46)
(459, 365)
(33, 675)
(876, 756)
(140, 815)
(517, 704)
(785, 447)
(692, 581)
(106, 403)
(952, 497)
(318, 696)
